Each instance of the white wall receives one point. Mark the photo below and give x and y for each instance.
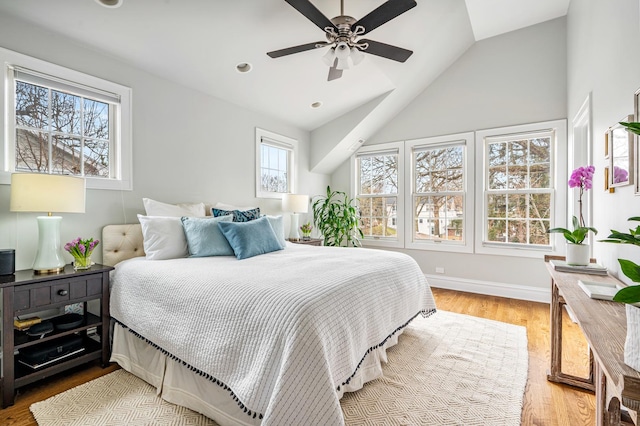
(187, 146)
(515, 78)
(603, 39)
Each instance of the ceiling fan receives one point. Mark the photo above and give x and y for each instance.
(343, 35)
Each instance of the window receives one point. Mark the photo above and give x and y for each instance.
(60, 121)
(379, 198)
(275, 164)
(520, 196)
(441, 213)
(494, 191)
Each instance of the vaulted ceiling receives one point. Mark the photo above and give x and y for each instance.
(199, 43)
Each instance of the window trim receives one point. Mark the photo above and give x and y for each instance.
(469, 194)
(122, 144)
(558, 190)
(400, 214)
(285, 143)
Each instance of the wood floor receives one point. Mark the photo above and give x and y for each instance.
(545, 404)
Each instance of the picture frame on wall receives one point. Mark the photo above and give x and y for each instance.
(636, 118)
(621, 158)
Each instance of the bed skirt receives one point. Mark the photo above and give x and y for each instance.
(179, 385)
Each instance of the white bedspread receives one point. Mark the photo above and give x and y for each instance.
(284, 331)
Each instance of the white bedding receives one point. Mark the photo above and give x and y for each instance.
(284, 331)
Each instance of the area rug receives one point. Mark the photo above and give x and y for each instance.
(448, 369)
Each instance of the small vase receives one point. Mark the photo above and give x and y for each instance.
(577, 254)
(81, 262)
(306, 237)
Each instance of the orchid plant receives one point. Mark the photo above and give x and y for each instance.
(582, 178)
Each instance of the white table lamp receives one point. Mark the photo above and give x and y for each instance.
(295, 203)
(39, 192)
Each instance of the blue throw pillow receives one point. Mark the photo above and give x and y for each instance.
(278, 228)
(252, 238)
(238, 215)
(204, 237)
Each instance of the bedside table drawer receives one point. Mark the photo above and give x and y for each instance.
(42, 295)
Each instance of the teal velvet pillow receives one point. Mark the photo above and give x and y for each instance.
(252, 238)
(204, 237)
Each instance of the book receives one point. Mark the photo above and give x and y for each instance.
(592, 268)
(602, 291)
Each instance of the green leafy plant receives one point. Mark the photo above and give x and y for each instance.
(630, 294)
(337, 219)
(306, 228)
(578, 234)
(633, 127)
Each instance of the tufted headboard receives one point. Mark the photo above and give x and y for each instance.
(121, 242)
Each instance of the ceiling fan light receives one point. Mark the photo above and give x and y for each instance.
(343, 64)
(356, 55)
(329, 57)
(342, 50)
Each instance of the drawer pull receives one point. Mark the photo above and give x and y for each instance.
(63, 292)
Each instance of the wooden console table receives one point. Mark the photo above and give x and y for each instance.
(604, 325)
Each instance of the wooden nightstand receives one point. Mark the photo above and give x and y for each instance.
(26, 293)
(311, 242)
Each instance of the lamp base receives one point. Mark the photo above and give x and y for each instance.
(294, 235)
(48, 271)
(49, 258)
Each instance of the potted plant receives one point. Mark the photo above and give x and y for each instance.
(577, 251)
(337, 219)
(630, 295)
(306, 229)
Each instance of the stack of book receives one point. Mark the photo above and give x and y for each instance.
(592, 268)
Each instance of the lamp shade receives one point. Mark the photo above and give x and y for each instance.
(295, 203)
(38, 192)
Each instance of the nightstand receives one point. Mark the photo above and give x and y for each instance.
(26, 293)
(311, 242)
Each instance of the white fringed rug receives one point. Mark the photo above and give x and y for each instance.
(448, 369)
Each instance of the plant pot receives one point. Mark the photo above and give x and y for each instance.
(81, 262)
(632, 342)
(577, 254)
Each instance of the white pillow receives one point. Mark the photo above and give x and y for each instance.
(163, 237)
(156, 208)
(231, 207)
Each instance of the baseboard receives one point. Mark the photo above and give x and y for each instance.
(512, 291)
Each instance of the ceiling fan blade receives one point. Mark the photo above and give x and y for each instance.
(386, 50)
(312, 13)
(334, 73)
(297, 49)
(383, 13)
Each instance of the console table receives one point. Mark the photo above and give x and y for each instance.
(604, 326)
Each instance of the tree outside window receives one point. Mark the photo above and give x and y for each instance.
(377, 194)
(438, 197)
(519, 189)
(61, 133)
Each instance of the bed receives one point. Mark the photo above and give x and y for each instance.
(271, 340)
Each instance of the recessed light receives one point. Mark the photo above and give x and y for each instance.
(112, 4)
(317, 104)
(243, 67)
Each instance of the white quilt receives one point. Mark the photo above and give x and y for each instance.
(284, 331)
